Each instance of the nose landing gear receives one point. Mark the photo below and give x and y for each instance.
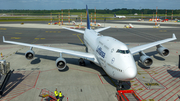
(81, 62)
(119, 85)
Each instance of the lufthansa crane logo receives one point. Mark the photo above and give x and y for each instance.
(112, 61)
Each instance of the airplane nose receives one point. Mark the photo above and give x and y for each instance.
(131, 73)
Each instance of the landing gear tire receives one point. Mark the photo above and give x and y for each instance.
(91, 62)
(119, 85)
(81, 62)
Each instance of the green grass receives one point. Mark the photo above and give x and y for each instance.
(42, 18)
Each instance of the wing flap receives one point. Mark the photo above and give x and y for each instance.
(137, 49)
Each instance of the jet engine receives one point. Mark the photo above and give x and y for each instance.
(61, 63)
(162, 50)
(29, 54)
(146, 60)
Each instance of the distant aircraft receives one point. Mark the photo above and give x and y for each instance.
(119, 16)
(109, 53)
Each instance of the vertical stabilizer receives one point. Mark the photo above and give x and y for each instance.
(114, 15)
(87, 14)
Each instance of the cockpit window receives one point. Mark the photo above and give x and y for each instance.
(123, 51)
(127, 52)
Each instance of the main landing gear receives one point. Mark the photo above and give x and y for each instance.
(81, 62)
(119, 85)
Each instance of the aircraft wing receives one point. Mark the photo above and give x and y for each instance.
(75, 30)
(101, 29)
(83, 55)
(137, 49)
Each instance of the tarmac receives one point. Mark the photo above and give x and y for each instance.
(87, 83)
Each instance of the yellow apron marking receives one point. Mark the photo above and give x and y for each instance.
(151, 84)
(135, 84)
(15, 38)
(80, 39)
(140, 89)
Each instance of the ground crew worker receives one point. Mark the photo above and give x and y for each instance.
(56, 94)
(60, 95)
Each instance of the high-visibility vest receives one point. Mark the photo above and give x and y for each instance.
(56, 93)
(60, 94)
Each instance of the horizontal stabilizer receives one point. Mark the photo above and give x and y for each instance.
(102, 29)
(75, 30)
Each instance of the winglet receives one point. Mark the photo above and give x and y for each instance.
(174, 36)
(3, 39)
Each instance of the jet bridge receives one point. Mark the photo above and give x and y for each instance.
(5, 74)
(127, 95)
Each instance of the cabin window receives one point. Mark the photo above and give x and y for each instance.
(123, 51)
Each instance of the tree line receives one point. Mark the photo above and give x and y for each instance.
(98, 11)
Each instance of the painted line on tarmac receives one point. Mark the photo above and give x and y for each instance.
(18, 33)
(80, 39)
(3, 28)
(15, 38)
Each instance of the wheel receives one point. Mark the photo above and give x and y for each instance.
(91, 62)
(81, 62)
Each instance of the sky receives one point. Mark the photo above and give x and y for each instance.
(81, 4)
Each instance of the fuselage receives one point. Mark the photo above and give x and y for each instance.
(112, 55)
(119, 16)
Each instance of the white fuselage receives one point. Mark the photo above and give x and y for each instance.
(120, 16)
(112, 55)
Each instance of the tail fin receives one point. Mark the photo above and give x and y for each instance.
(87, 14)
(114, 15)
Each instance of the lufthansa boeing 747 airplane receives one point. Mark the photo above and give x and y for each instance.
(119, 16)
(112, 55)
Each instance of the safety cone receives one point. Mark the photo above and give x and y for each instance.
(1, 55)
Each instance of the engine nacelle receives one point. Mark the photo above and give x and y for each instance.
(146, 60)
(29, 54)
(61, 63)
(162, 51)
